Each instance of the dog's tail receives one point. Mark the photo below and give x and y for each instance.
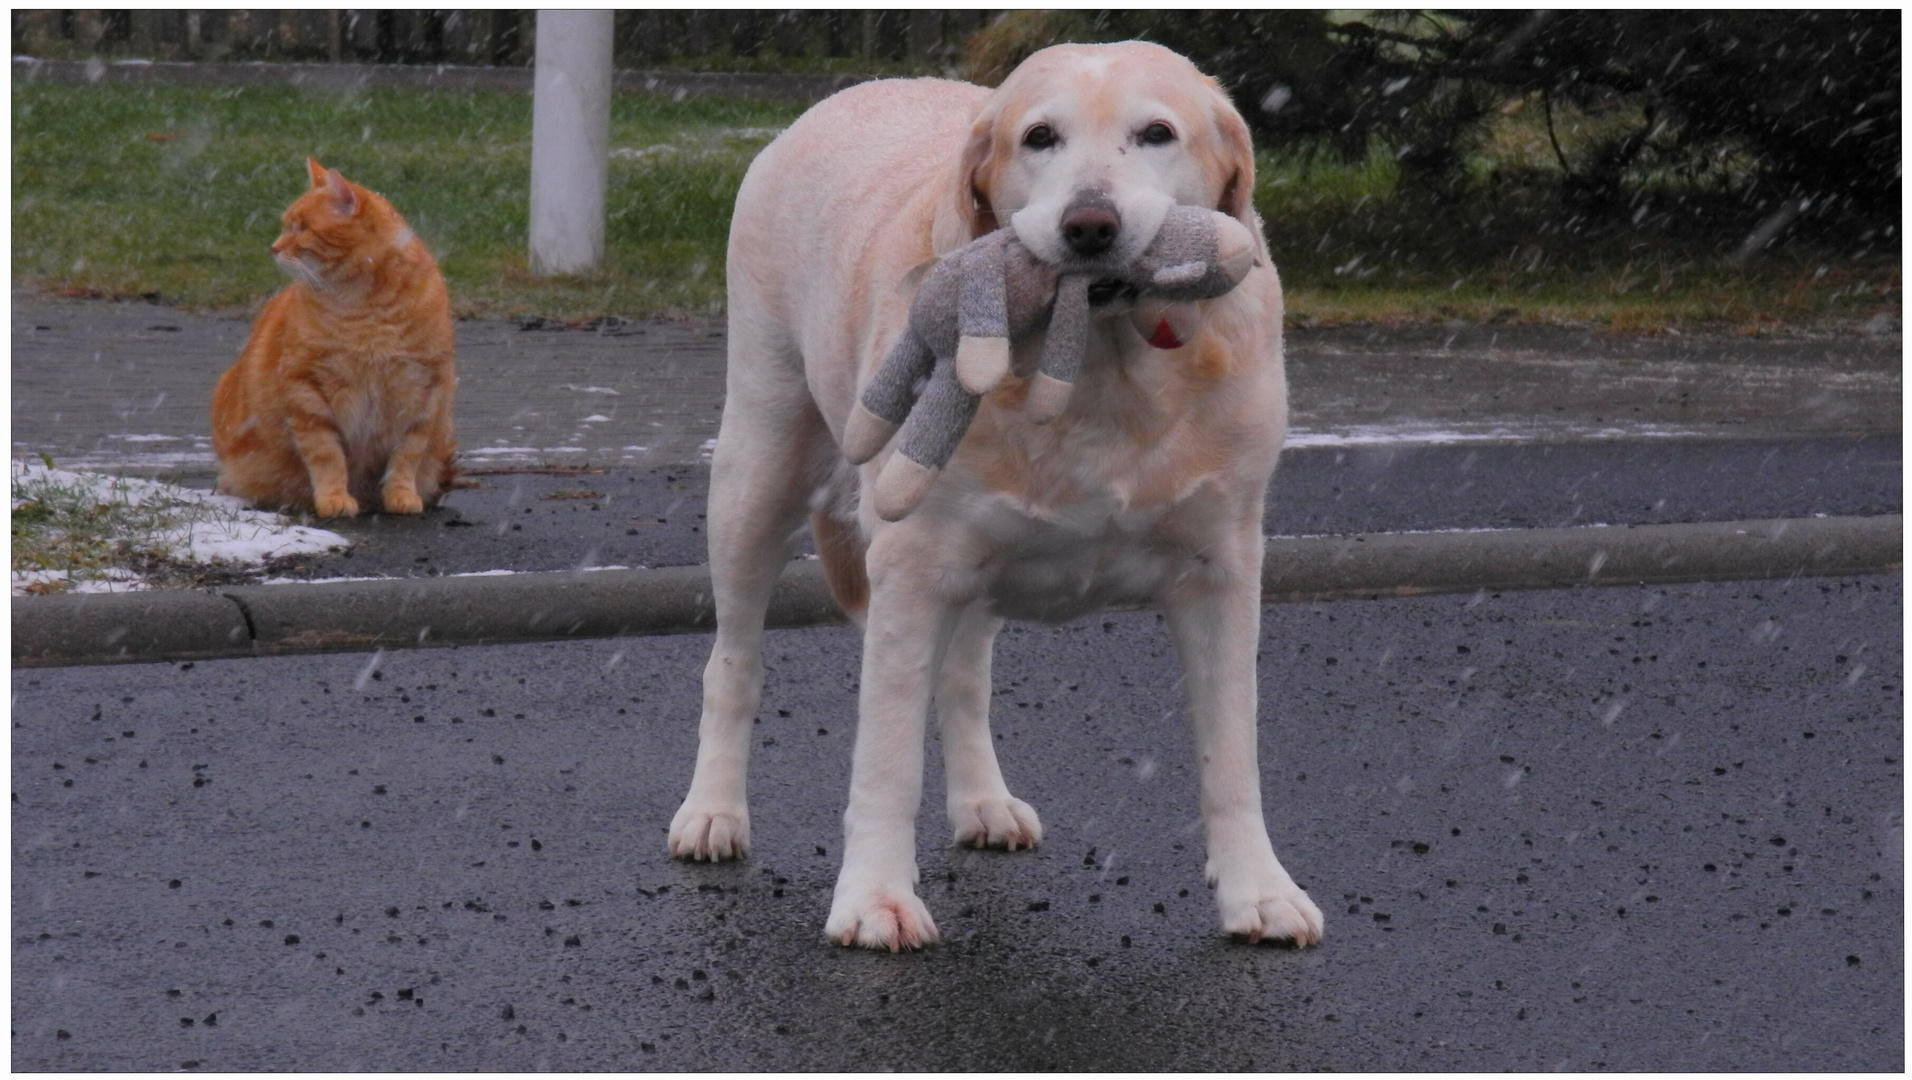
(841, 548)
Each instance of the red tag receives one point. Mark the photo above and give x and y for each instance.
(1164, 336)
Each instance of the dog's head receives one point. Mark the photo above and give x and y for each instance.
(1085, 147)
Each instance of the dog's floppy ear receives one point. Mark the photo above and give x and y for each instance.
(972, 214)
(1237, 162)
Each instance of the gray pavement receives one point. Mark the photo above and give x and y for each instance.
(1638, 827)
(587, 447)
(127, 386)
(524, 518)
(567, 489)
(1581, 829)
(654, 517)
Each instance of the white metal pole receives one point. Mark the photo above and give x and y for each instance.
(570, 141)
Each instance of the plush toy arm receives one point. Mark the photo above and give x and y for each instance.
(886, 401)
(928, 441)
(982, 318)
(1062, 351)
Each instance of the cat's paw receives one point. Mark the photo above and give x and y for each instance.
(403, 502)
(1264, 902)
(707, 834)
(335, 506)
(1005, 822)
(880, 918)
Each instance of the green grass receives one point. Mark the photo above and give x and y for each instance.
(177, 191)
(123, 191)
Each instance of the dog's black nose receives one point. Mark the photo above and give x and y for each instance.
(1090, 224)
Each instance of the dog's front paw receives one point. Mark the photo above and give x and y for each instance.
(880, 918)
(1005, 822)
(710, 834)
(1265, 903)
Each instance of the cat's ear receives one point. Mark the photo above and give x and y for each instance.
(344, 200)
(317, 170)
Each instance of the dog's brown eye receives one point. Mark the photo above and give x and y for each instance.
(1156, 134)
(1040, 137)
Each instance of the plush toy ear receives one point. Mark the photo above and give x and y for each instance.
(344, 199)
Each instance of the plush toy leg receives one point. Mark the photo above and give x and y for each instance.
(982, 363)
(1062, 352)
(1165, 324)
(900, 487)
(927, 442)
(886, 401)
(982, 320)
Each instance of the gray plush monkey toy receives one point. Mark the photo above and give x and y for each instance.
(993, 291)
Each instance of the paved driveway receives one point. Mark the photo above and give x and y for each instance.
(127, 386)
(1646, 829)
(1639, 829)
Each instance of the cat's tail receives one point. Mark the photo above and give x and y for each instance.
(448, 473)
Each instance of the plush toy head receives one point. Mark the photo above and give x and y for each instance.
(1196, 255)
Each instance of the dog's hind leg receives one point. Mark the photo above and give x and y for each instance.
(772, 451)
(982, 813)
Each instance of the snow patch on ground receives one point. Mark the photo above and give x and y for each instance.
(196, 459)
(466, 573)
(184, 524)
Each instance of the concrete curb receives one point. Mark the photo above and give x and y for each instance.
(264, 620)
(673, 84)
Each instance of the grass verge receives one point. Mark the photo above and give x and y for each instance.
(176, 191)
(128, 191)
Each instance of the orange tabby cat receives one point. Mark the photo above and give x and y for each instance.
(342, 394)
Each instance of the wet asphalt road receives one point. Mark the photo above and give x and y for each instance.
(1556, 426)
(125, 386)
(1584, 829)
(655, 517)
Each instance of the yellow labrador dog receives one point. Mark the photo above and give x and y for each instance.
(1147, 489)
